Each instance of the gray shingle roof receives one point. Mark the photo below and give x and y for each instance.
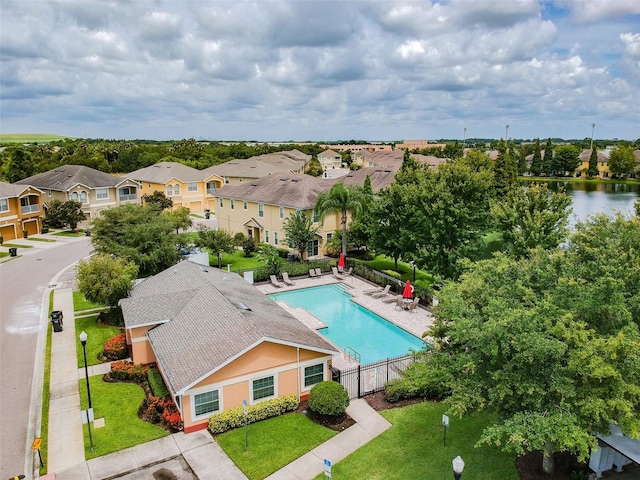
(66, 177)
(207, 327)
(261, 165)
(165, 171)
(292, 190)
(10, 190)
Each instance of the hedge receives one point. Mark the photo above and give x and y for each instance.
(234, 418)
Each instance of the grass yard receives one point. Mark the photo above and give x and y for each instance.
(118, 404)
(273, 443)
(237, 260)
(71, 233)
(39, 239)
(382, 263)
(81, 303)
(46, 394)
(413, 448)
(16, 245)
(97, 335)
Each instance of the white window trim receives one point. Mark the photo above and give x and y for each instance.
(232, 204)
(221, 202)
(195, 187)
(274, 375)
(98, 190)
(245, 206)
(4, 201)
(312, 363)
(281, 212)
(261, 210)
(200, 391)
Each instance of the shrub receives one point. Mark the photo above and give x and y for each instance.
(161, 411)
(393, 274)
(328, 398)
(156, 383)
(424, 378)
(127, 371)
(116, 347)
(234, 418)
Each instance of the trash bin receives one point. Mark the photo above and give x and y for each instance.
(13, 251)
(87, 233)
(207, 214)
(56, 320)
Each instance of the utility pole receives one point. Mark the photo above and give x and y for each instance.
(593, 126)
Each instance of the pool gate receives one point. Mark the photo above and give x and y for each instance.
(362, 380)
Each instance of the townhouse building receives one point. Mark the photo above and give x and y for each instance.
(20, 210)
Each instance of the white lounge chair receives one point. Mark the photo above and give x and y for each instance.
(392, 299)
(382, 293)
(337, 274)
(413, 306)
(372, 291)
(312, 273)
(319, 272)
(275, 282)
(287, 280)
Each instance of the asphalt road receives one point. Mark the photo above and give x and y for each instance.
(25, 283)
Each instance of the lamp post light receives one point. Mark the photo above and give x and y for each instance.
(83, 341)
(593, 126)
(464, 139)
(458, 467)
(506, 136)
(413, 264)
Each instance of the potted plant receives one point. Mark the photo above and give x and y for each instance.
(1, 239)
(25, 234)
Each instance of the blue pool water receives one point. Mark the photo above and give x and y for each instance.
(351, 325)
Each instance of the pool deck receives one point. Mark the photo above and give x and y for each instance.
(415, 322)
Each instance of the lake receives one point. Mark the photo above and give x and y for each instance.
(590, 197)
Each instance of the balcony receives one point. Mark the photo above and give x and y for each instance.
(26, 209)
(132, 197)
(211, 190)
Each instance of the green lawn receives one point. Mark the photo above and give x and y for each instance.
(237, 260)
(382, 263)
(70, 233)
(81, 303)
(34, 239)
(118, 404)
(16, 245)
(273, 443)
(97, 335)
(413, 448)
(46, 394)
(30, 137)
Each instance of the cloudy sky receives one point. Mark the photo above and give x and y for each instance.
(320, 70)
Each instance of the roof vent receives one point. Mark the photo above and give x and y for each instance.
(294, 180)
(203, 269)
(244, 306)
(175, 270)
(254, 184)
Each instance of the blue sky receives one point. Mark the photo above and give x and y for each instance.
(320, 70)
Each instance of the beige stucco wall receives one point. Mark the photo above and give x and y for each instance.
(141, 351)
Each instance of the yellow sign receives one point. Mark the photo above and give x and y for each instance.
(36, 443)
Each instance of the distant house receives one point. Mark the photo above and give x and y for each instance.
(20, 210)
(185, 186)
(218, 341)
(330, 160)
(242, 170)
(94, 189)
(603, 163)
(259, 208)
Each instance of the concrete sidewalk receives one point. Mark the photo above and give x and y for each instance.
(195, 456)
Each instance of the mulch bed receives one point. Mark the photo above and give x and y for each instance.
(529, 466)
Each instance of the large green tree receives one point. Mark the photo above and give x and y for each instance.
(104, 279)
(137, 234)
(593, 171)
(299, 230)
(341, 200)
(216, 241)
(536, 161)
(61, 214)
(566, 159)
(506, 170)
(180, 217)
(622, 161)
(532, 217)
(516, 347)
(547, 162)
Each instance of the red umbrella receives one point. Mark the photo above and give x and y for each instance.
(341, 262)
(408, 290)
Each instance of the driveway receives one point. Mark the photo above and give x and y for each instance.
(25, 282)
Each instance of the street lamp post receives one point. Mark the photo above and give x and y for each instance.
(464, 139)
(413, 264)
(458, 467)
(593, 126)
(83, 341)
(506, 136)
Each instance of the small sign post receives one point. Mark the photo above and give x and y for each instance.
(327, 468)
(445, 422)
(37, 443)
(246, 425)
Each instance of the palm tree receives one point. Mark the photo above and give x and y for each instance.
(341, 200)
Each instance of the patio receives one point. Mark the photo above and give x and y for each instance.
(415, 322)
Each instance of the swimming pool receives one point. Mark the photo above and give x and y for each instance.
(351, 325)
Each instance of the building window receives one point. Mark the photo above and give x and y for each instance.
(316, 216)
(263, 388)
(226, 180)
(221, 202)
(281, 212)
(233, 205)
(176, 189)
(275, 238)
(74, 196)
(169, 190)
(83, 197)
(266, 236)
(313, 374)
(313, 248)
(206, 403)
(261, 210)
(192, 186)
(329, 235)
(4, 205)
(102, 194)
(245, 206)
